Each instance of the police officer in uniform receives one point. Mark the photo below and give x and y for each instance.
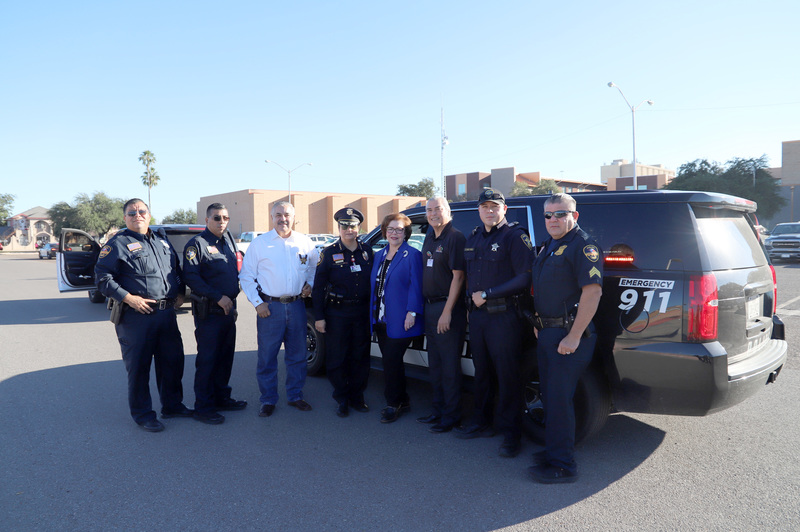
(139, 269)
(567, 285)
(209, 264)
(499, 257)
(341, 310)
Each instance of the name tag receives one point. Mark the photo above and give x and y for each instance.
(213, 249)
(355, 268)
(430, 263)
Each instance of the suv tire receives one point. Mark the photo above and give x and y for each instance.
(315, 345)
(592, 404)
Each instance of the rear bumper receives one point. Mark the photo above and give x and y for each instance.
(691, 379)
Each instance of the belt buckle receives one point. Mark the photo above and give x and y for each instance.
(287, 299)
(162, 304)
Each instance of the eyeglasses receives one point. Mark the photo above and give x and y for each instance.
(557, 214)
(396, 230)
(348, 226)
(140, 212)
(218, 218)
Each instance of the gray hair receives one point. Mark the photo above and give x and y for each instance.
(562, 197)
(281, 204)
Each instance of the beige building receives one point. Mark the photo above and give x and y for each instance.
(250, 209)
(619, 175)
(788, 176)
(468, 186)
(27, 230)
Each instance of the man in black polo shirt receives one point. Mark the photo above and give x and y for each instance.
(445, 313)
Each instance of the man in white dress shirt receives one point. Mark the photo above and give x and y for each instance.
(277, 273)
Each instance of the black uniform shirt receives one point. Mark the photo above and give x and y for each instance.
(209, 265)
(561, 270)
(342, 272)
(440, 256)
(498, 261)
(142, 265)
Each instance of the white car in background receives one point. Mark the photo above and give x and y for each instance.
(245, 239)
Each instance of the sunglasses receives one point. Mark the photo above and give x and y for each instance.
(141, 212)
(218, 218)
(557, 214)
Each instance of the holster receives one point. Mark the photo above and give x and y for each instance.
(116, 308)
(201, 306)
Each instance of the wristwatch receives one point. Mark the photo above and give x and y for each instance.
(483, 294)
(413, 314)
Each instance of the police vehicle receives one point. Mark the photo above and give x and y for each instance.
(686, 324)
(80, 250)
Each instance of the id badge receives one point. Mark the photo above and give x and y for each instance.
(430, 263)
(355, 268)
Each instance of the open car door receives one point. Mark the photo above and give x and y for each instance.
(76, 258)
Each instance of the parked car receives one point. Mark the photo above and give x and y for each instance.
(686, 324)
(48, 251)
(783, 243)
(246, 238)
(81, 250)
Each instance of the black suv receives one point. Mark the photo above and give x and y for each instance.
(686, 324)
(80, 250)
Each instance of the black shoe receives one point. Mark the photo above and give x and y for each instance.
(231, 404)
(152, 425)
(510, 448)
(474, 431)
(359, 406)
(441, 427)
(404, 407)
(300, 405)
(212, 418)
(550, 474)
(342, 410)
(390, 414)
(430, 419)
(266, 410)
(181, 411)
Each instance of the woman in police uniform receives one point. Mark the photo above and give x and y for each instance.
(341, 310)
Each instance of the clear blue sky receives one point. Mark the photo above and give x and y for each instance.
(356, 88)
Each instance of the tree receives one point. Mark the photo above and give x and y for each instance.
(150, 176)
(96, 215)
(735, 178)
(545, 186)
(6, 204)
(180, 216)
(425, 189)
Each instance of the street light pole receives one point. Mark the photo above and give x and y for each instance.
(289, 172)
(633, 127)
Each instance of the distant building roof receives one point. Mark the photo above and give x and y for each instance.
(37, 212)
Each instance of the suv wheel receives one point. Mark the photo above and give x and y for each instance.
(592, 404)
(315, 346)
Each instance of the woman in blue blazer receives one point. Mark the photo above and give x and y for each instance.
(396, 309)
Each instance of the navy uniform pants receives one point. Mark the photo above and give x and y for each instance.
(444, 360)
(496, 343)
(216, 343)
(347, 347)
(146, 337)
(559, 375)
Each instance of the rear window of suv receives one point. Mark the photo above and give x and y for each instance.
(728, 238)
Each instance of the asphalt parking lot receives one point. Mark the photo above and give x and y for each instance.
(72, 459)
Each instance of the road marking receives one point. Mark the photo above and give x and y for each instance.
(788, 312)
(787, 303)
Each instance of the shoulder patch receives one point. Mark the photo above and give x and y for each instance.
(527, 241)
(321, 257)
(591, 252)
(105, 251)
(191, 253)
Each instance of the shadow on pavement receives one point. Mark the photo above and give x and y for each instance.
(73, 459)
(54, 310)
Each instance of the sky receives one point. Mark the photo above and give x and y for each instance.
(357, 88)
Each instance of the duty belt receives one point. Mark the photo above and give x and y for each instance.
(282, 299)
(163, 304)
(435, 299)
(546, 323)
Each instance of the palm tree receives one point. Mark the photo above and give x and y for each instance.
(150, 176)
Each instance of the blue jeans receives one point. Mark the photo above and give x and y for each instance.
(285, 325)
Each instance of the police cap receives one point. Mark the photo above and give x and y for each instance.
(349, 216)
(490, 194)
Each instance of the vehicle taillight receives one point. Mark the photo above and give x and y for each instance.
(703, 308)
(239, 258)
(774, 290)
